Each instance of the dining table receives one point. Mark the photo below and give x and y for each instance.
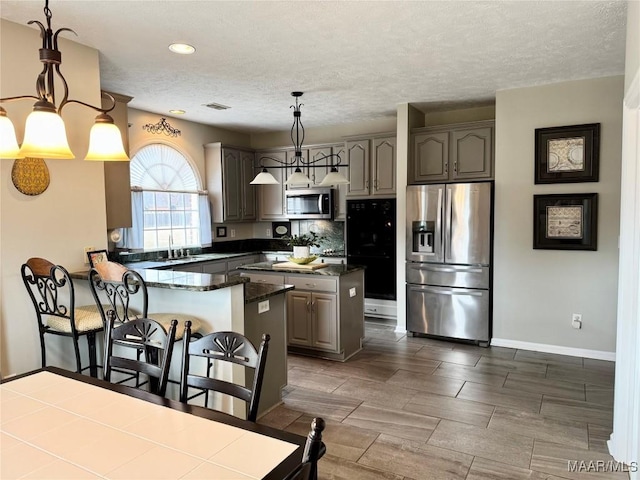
(58, 424)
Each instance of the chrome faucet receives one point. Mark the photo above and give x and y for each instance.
(170, 253)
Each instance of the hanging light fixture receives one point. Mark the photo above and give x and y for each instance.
(45, 135)
(334, 177)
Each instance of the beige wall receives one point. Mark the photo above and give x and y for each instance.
(461, 115)
(536, 291)
(68, 216)
(632, 57)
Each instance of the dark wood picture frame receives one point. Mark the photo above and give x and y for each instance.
(97, 256)
(567, 154)
(221, 232)
(565, 221)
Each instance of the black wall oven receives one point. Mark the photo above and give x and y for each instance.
(371, 242)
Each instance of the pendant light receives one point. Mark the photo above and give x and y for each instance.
(334, 177)
(45, 134)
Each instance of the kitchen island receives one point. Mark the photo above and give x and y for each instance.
(325, 312)
(219, 302)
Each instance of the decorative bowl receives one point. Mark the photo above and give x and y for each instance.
(303, 261)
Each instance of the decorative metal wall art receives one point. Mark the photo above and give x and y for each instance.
(162, 127)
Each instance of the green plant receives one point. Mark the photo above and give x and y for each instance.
(311, 239)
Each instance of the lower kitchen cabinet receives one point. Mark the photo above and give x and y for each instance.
(325, 313)
(314, 320)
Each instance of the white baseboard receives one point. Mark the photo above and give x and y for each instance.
(543, 347)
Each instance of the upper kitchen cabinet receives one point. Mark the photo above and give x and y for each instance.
(271, 198)
(452, 153)
(117, 183)
(229, 171)
(372, 166)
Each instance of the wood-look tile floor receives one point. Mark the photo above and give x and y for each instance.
(413, 408)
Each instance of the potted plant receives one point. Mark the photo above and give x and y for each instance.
(302, 243)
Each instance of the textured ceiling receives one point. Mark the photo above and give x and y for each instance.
(355, 60)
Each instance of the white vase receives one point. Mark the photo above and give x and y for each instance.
(301, 252)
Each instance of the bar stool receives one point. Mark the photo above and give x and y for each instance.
(121, 285)
(49, 285)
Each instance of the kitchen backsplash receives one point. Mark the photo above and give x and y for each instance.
(333, 233)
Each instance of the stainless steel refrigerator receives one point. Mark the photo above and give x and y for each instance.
(449, 249)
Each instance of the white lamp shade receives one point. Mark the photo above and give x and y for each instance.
(334, 178)
(8, 144)
(45, 137)
(105, 144)
(298, 178)
(264, 178)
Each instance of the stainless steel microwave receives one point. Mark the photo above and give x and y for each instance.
(310, 203)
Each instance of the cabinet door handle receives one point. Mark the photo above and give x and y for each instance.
(455, 167)
(375, 184)
(310, 285)
(366, 184)
(308, 306)
(446, 168)
(313, 307)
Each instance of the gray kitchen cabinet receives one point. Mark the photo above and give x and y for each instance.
(452, 153)
(325, 314)
(372, 166)
(227, 170)
(271, 198)
(314, 320)
(341, 190)
(117, 183)
(233, 264)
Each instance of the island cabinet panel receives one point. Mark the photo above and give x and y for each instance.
(271, 198)
(299, 318)
(229, 171)
(325, 311)
(452, 153)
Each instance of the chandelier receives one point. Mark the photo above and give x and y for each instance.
(45, 134)
(334, 177)
(162, 127)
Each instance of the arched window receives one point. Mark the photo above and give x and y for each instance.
(169, 207)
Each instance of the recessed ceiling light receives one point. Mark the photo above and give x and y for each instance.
(177, 112)
(182, 48)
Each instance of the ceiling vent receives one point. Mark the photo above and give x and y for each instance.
(217, 106)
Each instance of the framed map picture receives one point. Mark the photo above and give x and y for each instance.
(565, 221)
(567, 154)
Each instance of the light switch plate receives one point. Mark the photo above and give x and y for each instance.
(352, 292)
(263, 306)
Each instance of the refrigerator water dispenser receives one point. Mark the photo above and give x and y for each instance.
(423, 236)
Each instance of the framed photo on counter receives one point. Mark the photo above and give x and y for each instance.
(567, 154)
(97, 256)
(565, 221)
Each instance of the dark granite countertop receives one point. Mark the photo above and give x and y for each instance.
(331, 270)
(255, 292)
(165, 263)
(197, 282)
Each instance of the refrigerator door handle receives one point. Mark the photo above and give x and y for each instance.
(451, 292)
(439, 224)
(434, 268)
(448, 220)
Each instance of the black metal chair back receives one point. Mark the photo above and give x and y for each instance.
(150, 343)
(314, 449)
(51, 290)
(120, 285)
(225, 347)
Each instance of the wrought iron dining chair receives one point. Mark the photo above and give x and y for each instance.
(120, 285)
(224, 347)
(51, 290)
(314, 449)
(151, 344)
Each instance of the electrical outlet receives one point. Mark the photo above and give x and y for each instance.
(268, 232)
(263, 306)
(352, 292)
(85, 258)
(233, 233)
(576, 320)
